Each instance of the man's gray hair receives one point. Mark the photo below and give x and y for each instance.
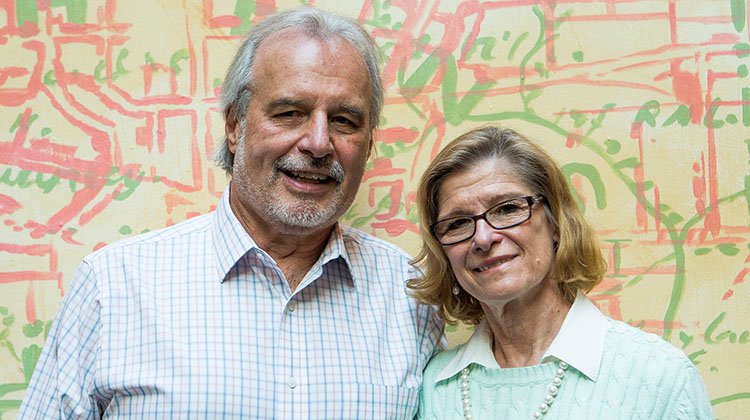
(236, 90)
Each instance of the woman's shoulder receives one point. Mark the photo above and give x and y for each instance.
(439, 362)
(646, 362)
(626, 341)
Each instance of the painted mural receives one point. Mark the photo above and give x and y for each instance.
(109, 116)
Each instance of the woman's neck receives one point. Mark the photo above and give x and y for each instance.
(523, 331)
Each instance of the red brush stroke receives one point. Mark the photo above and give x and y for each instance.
(30, 304)
(396, 227)
(67, 236)
(15, 97)
(8, 204)
(32, 251)
(395, 189)
(173, 200)
(46, 157)
(687, 89)
(397, 134)
(712, 221)
(196, 157)
(382, 167)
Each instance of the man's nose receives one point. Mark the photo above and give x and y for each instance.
(316, 140)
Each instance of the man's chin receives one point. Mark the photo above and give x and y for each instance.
(312, 219)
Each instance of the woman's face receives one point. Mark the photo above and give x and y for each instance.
(495, 266)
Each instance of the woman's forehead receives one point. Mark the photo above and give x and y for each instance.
(478, 187)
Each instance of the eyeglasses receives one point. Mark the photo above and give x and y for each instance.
(504, 215)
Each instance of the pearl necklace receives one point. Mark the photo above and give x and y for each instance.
(543, 407)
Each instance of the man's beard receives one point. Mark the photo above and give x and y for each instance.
(305, 213)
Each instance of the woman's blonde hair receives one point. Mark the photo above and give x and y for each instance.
(579, 264)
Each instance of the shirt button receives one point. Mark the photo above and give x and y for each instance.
(291, 306)
(292, 383)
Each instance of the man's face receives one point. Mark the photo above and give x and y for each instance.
(300, 156)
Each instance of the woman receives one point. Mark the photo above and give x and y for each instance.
(505, 247)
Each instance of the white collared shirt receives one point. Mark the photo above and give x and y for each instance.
(579, 343)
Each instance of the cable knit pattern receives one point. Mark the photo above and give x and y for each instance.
(641, 377)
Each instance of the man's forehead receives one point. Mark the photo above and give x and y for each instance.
(290, 47)
(290, 37)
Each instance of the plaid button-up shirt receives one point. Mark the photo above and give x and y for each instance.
(195, 321)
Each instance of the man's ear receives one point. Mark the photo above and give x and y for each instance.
(232, 130)
(371, 145)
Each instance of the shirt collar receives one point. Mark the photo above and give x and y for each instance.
(232, 242)
(579, 343)
(334, 250)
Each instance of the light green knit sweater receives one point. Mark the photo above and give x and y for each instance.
(641, 377)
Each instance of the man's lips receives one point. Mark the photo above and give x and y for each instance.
(304, 176)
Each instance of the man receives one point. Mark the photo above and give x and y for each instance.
(266, 307)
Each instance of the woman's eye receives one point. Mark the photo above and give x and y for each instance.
(507, 208)
(458, 224)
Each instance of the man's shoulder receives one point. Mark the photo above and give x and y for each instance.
(179, 232)
(359, 241)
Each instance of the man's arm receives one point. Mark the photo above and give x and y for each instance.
(63, 382)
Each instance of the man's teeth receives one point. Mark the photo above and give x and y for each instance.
(310, 176)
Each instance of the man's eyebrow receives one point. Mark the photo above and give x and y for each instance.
(353, 110)
(282, 102)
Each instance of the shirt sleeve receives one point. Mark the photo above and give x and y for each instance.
(420, 408)
(431, 327)
(63, 383)
(692, 402)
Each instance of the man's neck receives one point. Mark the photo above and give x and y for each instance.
(295, 255)
(294, 250)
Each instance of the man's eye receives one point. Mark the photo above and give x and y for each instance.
(289, 114)
(344, 121)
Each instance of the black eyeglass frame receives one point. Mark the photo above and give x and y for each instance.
(530, 200)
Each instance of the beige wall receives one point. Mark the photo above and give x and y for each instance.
(109, 111)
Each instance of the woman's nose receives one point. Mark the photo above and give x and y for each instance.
(484, 236)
